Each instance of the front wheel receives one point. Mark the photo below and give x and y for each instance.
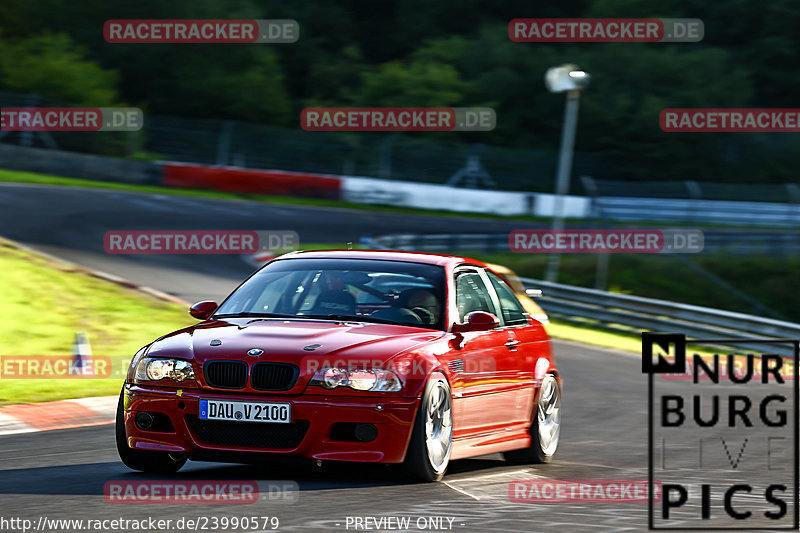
(143, 460)
(545, 426)
(432, 437)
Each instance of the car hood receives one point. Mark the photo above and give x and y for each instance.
(291, 341)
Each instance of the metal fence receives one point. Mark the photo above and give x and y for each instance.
(428, 157)
(632, 314)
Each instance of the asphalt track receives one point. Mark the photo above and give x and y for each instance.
(71, 222)
(61, 474)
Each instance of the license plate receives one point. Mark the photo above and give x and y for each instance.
(275, 413)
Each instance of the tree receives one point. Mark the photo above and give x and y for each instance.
(413, 84)
(51, 65)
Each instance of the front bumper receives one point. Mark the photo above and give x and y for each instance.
(308, 437)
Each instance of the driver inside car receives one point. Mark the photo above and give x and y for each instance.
(423, 303)
(413, 306)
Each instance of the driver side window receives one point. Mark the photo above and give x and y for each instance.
(472, 294)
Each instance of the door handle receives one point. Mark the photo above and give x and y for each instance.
(512, 344)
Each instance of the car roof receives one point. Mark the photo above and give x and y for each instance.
(383, 255)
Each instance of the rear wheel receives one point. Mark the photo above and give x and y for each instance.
(432, 437)
(545, 426)
(143, 460)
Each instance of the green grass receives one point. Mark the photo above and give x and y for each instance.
(45, 302)
(626, 342)
(596, 337)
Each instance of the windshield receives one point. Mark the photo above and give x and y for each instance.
(340, 289)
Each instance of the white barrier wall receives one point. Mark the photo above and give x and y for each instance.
(443, 197)
(574, 206)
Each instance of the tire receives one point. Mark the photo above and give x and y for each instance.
(428, 452)
(142, 460)
(545, 426)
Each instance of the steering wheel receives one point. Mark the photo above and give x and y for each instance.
(424, 315)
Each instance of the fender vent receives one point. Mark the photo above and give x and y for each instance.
(456, 365)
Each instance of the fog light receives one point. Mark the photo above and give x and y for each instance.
(366, 432)
(144, 420)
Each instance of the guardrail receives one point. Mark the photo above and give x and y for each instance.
(695, 202)
(670, 210)
(715, 240)
(632, 314)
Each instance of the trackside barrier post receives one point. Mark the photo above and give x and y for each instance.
(82, 351)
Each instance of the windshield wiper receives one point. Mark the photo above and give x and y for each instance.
(257, 315)
(353, 318)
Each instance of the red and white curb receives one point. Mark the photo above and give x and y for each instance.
(61, 414)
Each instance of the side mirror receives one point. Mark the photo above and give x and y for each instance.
(477, 321)
(203, 310)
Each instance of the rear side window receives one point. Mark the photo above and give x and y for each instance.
(513, 312)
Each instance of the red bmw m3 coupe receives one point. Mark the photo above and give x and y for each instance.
(365, 356)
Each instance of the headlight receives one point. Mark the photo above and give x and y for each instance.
(378, 380)
(362, 379)
(386, 381)
(159, 369)
(334, 377)
(156, 369)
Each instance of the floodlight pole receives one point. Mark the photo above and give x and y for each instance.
(562, 178)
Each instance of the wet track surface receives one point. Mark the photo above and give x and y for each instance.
(61, 474)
